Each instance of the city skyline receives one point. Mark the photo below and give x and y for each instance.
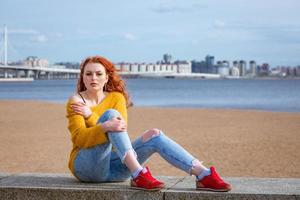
(135, 31)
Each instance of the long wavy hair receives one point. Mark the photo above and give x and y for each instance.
(114, 84)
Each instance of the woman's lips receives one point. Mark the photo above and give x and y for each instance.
(94, 84)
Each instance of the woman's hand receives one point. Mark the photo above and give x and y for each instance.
(115, 124)
(81, 109)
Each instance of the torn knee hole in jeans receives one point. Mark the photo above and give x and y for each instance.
(149, 134)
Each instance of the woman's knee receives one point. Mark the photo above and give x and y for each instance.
(151, 133)
(108, 115)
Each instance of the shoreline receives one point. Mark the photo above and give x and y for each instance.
(183, 76)
(163, 107)
(245, 143)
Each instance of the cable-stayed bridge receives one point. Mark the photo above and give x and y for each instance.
(37, 72)
(34, 71)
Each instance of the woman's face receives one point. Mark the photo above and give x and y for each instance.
(94, 77)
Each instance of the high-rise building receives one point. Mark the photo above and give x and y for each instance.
(263, 70)
(222, 68)
(199, 67)
(210, 60)
(253, 68)
(234, 71)
(235, 63)
(298, 71)
(242, 67)
(167, 58)
(226, 62)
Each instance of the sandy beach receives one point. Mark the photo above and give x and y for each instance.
(34, 138)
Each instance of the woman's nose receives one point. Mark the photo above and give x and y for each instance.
(94, 76)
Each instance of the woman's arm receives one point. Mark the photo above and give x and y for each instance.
(81, 135)
(85, 136)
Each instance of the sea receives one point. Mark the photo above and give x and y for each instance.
(278, 95)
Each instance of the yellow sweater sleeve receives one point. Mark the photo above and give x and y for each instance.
(81, 135)
(120, 105)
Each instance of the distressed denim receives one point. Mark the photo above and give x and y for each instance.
(103, 162)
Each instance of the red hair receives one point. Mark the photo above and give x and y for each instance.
(114, 84)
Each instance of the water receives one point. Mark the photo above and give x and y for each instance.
(270, 95)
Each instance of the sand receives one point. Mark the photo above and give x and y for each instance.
(239, 143)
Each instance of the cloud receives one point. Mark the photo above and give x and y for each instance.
(284, 32)
(219, 24)
(166, 9)
(58, 35)
(35, 36)
(129, 36)
(23, 31)
(253, 25)
(172, 7)
(39, 39)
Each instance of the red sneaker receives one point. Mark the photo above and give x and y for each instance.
(213, 182)
(145, 181)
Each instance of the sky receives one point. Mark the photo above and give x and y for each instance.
(142, 31)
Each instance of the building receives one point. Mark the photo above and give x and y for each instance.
(34, 61)
(298, 71)
(252, 68)
(234, 71)
(235, 63)
(167, 58)
(263, 70)
(150, 67)
(210, 62)
(142, 67)
(199, 67)
(206, 66)
(242, 67)
(183, 67)
(176, 67)
(226, 62)
(223, 68)
(69, 65)
(133, 67)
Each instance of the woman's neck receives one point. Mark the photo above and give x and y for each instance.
(95, 97)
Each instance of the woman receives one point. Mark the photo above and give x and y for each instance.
(102, 151)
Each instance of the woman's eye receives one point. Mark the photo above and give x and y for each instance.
(88, 74)
(99, 74)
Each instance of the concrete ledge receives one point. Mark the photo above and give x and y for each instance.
(64, 186)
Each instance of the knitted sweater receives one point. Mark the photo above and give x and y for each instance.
(86, 133)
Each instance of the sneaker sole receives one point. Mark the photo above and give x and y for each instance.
(214, 190)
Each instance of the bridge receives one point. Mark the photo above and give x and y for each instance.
(35, 71)
(38, 72)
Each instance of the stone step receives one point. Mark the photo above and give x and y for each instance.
(64, 186)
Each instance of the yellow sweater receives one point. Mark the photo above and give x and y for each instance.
(86, 133)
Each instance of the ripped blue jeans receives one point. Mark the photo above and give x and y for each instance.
(104, 162)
